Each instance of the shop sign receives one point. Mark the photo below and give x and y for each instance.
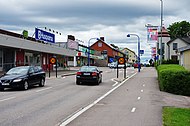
(44, 36)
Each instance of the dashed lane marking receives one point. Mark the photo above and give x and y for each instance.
(6, 99)
(44, 89)
(133, 109)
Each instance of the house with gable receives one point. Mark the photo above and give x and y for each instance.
(110, 54)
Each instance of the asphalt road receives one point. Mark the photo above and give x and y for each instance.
(53, 104)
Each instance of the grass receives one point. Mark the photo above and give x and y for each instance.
(176, 116)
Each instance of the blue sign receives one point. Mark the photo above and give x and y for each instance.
(111, 60)
(44, 36)
(141, 51)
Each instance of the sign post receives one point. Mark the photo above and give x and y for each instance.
(53, 60)
(121, 60)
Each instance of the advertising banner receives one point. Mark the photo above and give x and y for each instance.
(152, 33)
(72, 44)
(44, 36)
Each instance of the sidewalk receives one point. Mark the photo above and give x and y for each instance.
(137, 102)
(61, 73)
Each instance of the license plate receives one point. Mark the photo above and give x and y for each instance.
(86, 73)
(5, 83)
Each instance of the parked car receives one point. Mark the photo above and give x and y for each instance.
(135, 65)
(23, 77)
(113, 65)
(89, 74)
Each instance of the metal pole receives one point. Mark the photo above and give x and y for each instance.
(139, 64)
(161, 24)
(138, 58)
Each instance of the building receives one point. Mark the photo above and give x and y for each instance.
(184, 55)
(16, 50)
(165, 37)
(174, 44)
(131, 55)
(109, 54)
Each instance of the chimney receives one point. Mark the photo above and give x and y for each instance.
(102, 38)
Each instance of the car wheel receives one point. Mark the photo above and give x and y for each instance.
(42, 82)
(25, 85)
(77, 82)
(97, 82)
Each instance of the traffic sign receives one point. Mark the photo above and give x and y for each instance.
(121, 60)
(52, 60)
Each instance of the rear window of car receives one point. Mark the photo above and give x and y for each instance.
(86, 68)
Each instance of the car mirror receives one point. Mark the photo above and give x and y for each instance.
(101, 71)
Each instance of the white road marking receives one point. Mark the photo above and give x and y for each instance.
(7, 99)
(142, 91)
(139, 98)
(133, 109)
(143, 85)
(44, 89)
(83, 109)
(115, 82)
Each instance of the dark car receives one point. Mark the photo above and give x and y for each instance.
(23, 77)
(89, 74)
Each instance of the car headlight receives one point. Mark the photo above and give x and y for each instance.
(17, 80)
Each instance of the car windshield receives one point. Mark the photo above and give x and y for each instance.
(88, 68)
(18, 70)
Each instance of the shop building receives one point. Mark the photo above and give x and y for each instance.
(16, 50)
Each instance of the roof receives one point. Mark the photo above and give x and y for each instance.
(129, 50)
(184, 39)
(108, 46)
(182, 49)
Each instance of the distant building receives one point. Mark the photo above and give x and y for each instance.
(131, 55)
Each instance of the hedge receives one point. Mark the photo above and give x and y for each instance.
(174, 79)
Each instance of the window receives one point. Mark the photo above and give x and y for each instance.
(99, 44)
(174, 46)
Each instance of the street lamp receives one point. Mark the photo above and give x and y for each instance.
(129, 35)
(89, 49)
(161, 23)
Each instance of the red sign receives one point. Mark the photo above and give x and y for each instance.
(52, 60)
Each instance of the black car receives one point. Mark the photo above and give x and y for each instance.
(23, 77)
(89, 74)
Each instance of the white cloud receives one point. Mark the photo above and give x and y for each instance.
(86, 19)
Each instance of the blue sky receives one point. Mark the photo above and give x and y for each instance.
(86, 19)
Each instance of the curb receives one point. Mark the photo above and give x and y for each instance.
(68, 74)
(120, 79)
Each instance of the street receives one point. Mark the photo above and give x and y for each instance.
(51, 104)
(136, 101)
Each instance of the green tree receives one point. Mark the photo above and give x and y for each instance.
(179, 29)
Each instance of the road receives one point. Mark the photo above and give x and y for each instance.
(53, 104)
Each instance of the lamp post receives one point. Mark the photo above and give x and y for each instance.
(89, 49)
(161, 23)
(129, 35)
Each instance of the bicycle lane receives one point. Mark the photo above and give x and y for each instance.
(132, 104)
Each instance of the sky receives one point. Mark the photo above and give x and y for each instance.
(86, 19)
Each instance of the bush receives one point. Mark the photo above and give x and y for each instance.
(174, 79)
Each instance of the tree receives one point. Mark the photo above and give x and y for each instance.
(179, 29)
